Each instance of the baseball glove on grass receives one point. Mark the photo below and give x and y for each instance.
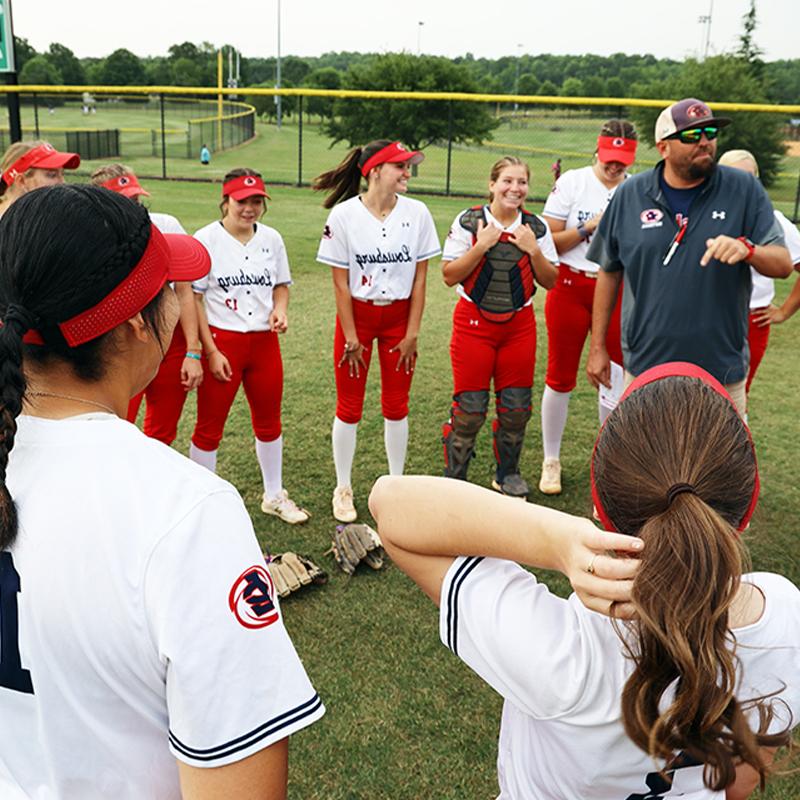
(355, 543)
(291, 572)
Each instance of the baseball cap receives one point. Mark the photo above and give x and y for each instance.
(244, 186)
(616, 148)
(393, 153)
(673, 369)
(167, 257)
(43, 156)
(685, 114)
(127, 185)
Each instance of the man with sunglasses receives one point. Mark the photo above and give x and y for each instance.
(684, 235)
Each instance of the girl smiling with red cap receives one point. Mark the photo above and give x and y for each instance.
(243, 308)
(378, 244)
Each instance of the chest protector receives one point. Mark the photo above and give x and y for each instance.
(503, 280)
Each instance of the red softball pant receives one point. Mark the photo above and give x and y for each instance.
(255, 360)
(387, 325)
(165, 395)
(758, 338)
(481, 350)
(568, 316)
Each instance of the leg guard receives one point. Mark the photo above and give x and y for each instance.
(513, 413)
(458, 434)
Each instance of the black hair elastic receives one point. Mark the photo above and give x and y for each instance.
(20, 315)
(676, 489)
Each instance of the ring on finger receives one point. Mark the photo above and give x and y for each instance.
(590, 568)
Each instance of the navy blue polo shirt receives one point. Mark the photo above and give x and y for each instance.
(682, 311)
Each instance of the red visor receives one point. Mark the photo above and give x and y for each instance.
(244, 186)
(167, 257)
(616, 148)
(126, 185)
(43, 156)
(686, 370)
(393, 153)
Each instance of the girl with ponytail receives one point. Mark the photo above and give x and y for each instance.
(693, 681)
(130, 578)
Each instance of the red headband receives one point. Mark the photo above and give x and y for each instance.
(616, 148)
(244, 186)
(43, 156)
(127, 185)
(393, 153)
(170, 257)
(686, 370)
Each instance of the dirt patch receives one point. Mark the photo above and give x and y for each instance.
(792, 148)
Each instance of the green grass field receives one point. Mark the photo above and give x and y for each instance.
(405, 719)
(540, 136)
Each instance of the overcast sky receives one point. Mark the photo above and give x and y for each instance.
(449, 28)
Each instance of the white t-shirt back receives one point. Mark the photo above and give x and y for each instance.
(381, 255)
(147, 620)
(561, 669)
(238, 289)
(763, 291)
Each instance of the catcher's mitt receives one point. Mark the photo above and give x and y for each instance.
(355, 543)
(291, 572)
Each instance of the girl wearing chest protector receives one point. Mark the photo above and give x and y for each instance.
(243, 307)
(377, 242)
(692, 686)
(143, 650)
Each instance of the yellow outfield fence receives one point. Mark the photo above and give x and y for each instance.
(161, 129)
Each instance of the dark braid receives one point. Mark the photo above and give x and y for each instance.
(62, 250)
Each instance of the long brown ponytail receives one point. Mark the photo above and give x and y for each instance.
(679, 432)
(344, 181)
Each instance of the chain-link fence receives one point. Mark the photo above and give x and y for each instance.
(160, 133)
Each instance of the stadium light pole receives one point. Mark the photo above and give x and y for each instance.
(419, 37)
(278, 71)
(516, 79)
(705, 19)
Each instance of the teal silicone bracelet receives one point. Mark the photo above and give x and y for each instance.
(195, 356)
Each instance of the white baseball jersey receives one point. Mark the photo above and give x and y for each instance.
(459, 241)
(561, 669)
(143, 624)
(763, 291)
(382, 255)
(578, 195)
(166, 223)
(238, 289)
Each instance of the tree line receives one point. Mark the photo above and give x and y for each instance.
(189, 64)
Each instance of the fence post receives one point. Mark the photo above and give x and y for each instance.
(449, 145)
(300, 140)
(36, 115)
(163, 140)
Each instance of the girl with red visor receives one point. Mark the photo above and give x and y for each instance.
(378, 243)
(573, 210)
(495, 254)
(694, 681)
(31, 165)
(181, 370)
(242, 308)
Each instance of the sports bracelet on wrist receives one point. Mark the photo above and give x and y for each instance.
(751, 248)
(195, 356)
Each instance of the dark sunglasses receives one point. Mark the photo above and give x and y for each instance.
(693, 135)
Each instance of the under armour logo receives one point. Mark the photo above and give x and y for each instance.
(717, 215)
(474, 322)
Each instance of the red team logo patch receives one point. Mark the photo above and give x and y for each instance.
(249, 181)
(651, 215)
(698, 111)
(251, 598)
(123, 181)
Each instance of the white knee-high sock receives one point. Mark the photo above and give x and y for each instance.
(344, 448)
(205, 458)
(555, 406)
(395, 437)
(270, 459)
